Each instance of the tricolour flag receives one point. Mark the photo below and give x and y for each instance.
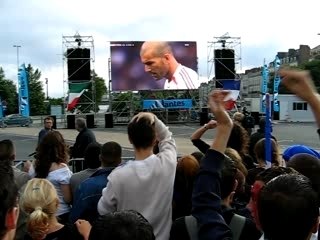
(234, 87)
(75, 92)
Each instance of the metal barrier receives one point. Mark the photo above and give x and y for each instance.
(19, 163)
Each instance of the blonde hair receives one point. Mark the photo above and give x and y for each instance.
(40, 201)
(235, 156)
(238, 116)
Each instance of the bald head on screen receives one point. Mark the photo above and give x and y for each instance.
(160, 62)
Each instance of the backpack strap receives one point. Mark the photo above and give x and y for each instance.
(236, 225)
(192, 227)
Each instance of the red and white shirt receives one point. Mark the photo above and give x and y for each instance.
(183, 78)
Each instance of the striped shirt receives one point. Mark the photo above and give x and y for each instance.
(183, 78)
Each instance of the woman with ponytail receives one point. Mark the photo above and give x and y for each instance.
(40, 201)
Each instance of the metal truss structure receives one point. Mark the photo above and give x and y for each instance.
(88, 101)
(223, 42)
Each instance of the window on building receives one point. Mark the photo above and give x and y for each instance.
(300, 106)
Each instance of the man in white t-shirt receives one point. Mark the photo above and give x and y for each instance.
(146, 184)
(160, 62)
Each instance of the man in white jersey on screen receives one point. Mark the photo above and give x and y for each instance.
(160, 62)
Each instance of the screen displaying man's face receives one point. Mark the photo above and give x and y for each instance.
(131, 71)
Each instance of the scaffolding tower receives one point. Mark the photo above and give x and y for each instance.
(88, 100)
(223, 42)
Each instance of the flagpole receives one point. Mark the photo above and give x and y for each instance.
(18, 84)
(268, 131)
(276, 82)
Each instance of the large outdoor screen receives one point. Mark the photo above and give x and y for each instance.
(129, 73)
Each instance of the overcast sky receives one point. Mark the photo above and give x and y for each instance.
(265, 27)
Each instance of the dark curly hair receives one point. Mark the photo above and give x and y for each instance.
(52, 149)
(239, 139)
(122, 225)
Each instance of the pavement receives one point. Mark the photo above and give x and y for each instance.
(117, 134)
(287, 134)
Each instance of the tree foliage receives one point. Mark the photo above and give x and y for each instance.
(36, 94)
(101, 88)
(8, 93)
(85, 103)
(56, 101)
(126, 101)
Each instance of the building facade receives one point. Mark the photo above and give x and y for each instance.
(293, 109)
(290, 107)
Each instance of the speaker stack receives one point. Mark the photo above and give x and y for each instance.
(108, 120)
(224, 65)
(204, 116)
(71, 121)
(78, 62)
(90, 120)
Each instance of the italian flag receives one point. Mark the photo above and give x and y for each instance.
(75, 92)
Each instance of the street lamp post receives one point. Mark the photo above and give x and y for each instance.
(47, 85)
(17, 47)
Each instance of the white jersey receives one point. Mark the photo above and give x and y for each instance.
(183, 78)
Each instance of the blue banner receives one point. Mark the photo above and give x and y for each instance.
(276, 83)
(268, 132)
(167, 104)
(264, 87)
(24, 108)
(231, 84)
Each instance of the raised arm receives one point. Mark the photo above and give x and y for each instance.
(166, 144)
(200, 131)
(206, 200)
(224, 122)
(196, 136)
(164, 137)
(301, 84)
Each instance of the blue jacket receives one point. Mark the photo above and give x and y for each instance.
(206, 201)
(88, 195)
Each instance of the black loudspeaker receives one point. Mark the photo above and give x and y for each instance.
(108, 120)
(71, 121)
(204, 118)
(54, 125)
(78, 64)
(224, 64)
(90, 120)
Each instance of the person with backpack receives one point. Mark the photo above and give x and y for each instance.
(241, 227)
(215, 185)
